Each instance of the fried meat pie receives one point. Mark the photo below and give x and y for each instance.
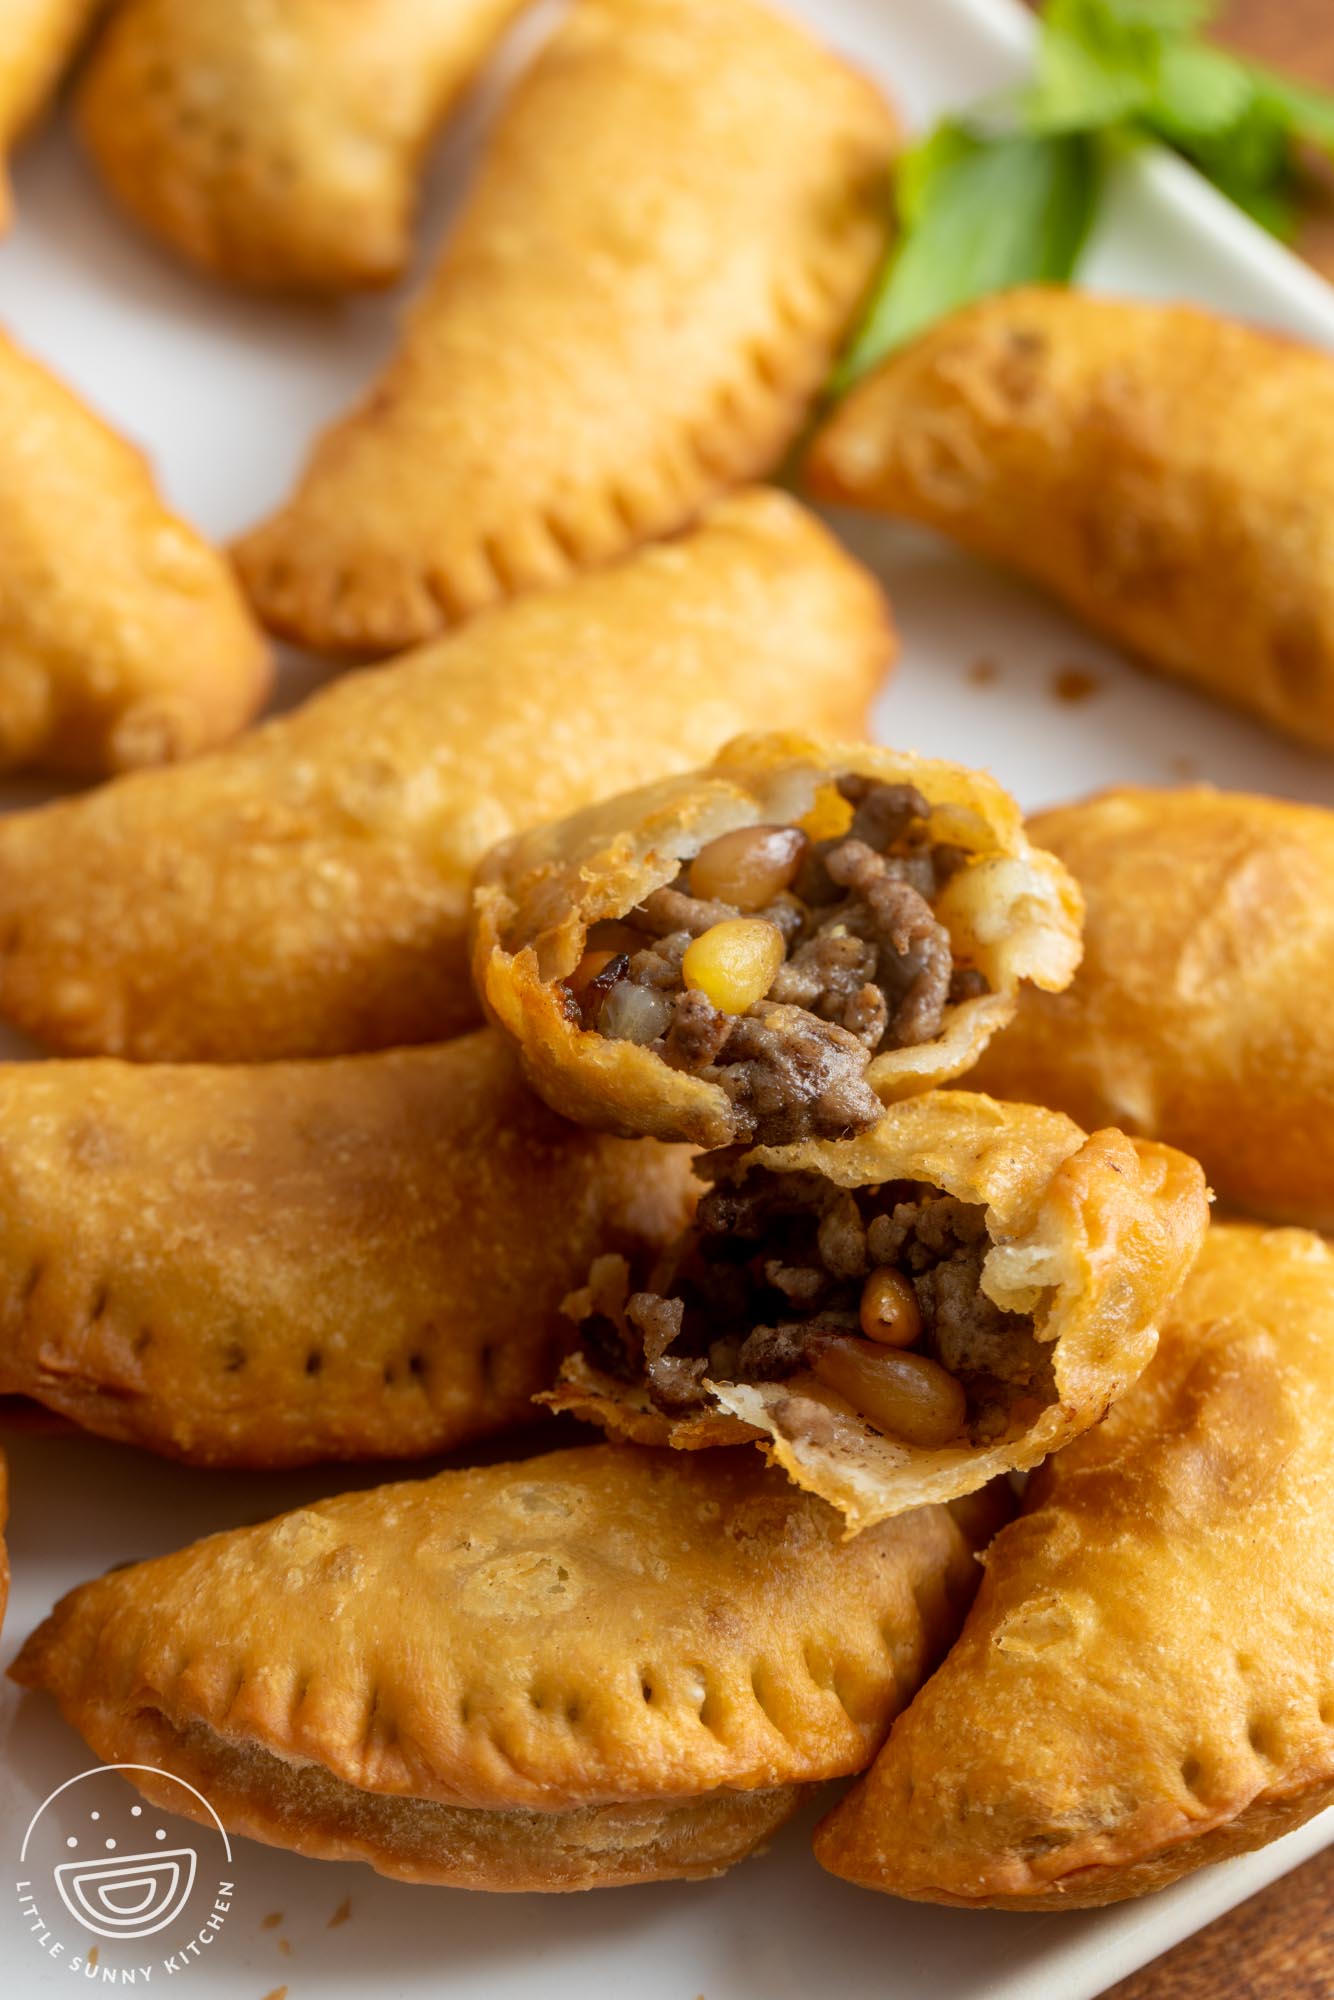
(765, 949)
(900, 1317)
(599, 1667)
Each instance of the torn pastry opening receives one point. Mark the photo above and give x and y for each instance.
(869, 1298)
(898, 1318)
(769, 949)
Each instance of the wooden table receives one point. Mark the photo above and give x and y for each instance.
(1279, 1946)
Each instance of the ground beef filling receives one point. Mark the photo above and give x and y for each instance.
(875, 1292)
(778, 965)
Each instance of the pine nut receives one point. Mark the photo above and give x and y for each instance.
(905, 1396)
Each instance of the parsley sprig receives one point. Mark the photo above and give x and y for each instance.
(1007, 196)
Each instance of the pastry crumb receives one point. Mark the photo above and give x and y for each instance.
(341, 1914)
(1074, 684)
(984, 672)
(272, 1921)
(277, 1993)
(1185, 767)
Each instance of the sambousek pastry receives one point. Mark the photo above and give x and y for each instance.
(40, 36)
(765, 949)
(1146, 1681)
(306, 891)
(604, 348)
(130, 644)
(900, 1317)
(1200, 1012)
(1166, 473)
(357, 1258)
(280, 144)
(600, 1667)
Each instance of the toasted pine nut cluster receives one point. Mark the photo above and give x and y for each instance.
(783, 958)
(873, 1292)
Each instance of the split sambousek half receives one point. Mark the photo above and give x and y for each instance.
(765, 949)
(898, 1317)
(898, 1303)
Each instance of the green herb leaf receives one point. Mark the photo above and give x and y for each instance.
(979, 212)
(1200, 91)
(982, 215)
(921, 166)
(1161, 17)
(1079, 88)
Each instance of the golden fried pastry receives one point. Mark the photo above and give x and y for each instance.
(1200, 1013)
(763, 950)
(1169, 475)
(675, 219)
(278, 143)
(1146, 1681)
(37, 39)
(901, 1317)
(349, 1259)
(124, 639)
(305, 892)
(599, 1667)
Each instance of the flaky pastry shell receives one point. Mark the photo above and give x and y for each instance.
(1012, 913)
(1146, 1681)
(1167, 473)
(608, 343)
(290, 1262)
(599, 1667)
(1200, 1013)
(305, 891)
(278, 144)
(1091, 1236)
(124, 639)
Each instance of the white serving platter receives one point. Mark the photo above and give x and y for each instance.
(225, 393)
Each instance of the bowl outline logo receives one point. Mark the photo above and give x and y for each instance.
(94, 1892)
(125, 1897)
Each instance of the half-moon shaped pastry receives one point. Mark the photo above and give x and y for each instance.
(763, 950)
(39, 38)
(279, 143)
(299, 1261)
(1146, 1681)
(1168, 474)
(675, 219)
(901, 1317)
(595, 1668)
(1200, 1014)
(305, 892)
(124, 639)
